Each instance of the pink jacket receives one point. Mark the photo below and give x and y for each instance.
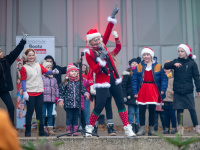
(86, 85)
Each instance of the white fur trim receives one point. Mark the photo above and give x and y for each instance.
(101, 85)
(91, 36)
(118, 81)
(113, 20)
(125, 73)
(186, 48)
(147, 50)
(194, 56)
(146, 103)
(101, 62)
(86, 50)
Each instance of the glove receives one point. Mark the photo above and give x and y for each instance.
(125, 99)
(114, 33)
(55, 71)
(25, 96)
(115, 11)
(24, 36)
(92, 90)
(104, 53)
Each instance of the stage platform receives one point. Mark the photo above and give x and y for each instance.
(105, 142)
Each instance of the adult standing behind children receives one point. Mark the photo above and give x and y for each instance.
(149, 84)
(6, 84)
(185, 71)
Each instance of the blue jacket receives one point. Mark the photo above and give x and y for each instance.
(159, 75)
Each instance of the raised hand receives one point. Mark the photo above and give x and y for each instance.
(55, 71)
(104, 53)
(114, 33)
(115, 11)
(24, 36)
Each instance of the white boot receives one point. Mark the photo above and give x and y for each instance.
(89, 129)
(197, 129)
(128, 130)
(181, 132)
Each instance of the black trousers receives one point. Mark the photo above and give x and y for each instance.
(162, 118)
(108, 108)
(193, 115)
(34, 103)
(5, 96)
(142, 112)
(102, 95)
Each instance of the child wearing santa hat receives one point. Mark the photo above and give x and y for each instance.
(50, 95)
(106, 76)
(69, 97)
(149, 84)
(185, 70)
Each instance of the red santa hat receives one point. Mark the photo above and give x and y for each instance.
(70, 67)
(92, 33)
(187, 49)
(148, 50)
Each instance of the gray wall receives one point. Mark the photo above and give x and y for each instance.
(159, 24)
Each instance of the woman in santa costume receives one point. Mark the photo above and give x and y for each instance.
(107, 79)
(149, 84)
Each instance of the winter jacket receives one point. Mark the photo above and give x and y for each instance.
(127, 88)
(169, 94)
(159, 75)
(5, 67)
(183, 75)
(70, 94)
(50, 88)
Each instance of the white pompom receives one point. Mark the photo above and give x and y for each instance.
(194, 56)
(66, 77)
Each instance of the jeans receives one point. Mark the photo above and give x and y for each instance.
(5, 96)
(87, 111)
(49, 107)
(133, 110)
(72, 116)
(170, 115)
(162, 118)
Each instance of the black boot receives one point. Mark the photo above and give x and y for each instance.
(111, 131)
(137, 127)
(133, 126)
(28, 131)
(95, 129)
(41, 131)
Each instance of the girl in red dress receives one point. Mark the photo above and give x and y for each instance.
(149, 86)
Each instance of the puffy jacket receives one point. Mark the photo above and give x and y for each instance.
(50, 88)
(159, 75)
(183, 75)
(70, 94)
(127, 88)
(5, 66)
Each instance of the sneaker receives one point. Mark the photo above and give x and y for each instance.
(197, 129)
(151, 131)
(173, 131)
(141, 131)
(166, 131)
(89, 129)
(111, 131)
(128, 131)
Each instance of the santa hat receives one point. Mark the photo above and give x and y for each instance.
(148, 50)
(45, 63)
(70, 67)
(92, 33)
(187, 49)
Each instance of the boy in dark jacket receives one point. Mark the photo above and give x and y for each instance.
(129, 99)
(185, 69)
(6, 84)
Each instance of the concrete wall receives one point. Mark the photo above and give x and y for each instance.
(161, 25)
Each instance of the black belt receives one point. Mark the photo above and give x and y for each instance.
(148, 82)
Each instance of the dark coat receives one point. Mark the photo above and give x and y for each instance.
(62, 70)
(70, 94)
(183, 76)
(127, 88)
(6, 83)
(159, 75)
